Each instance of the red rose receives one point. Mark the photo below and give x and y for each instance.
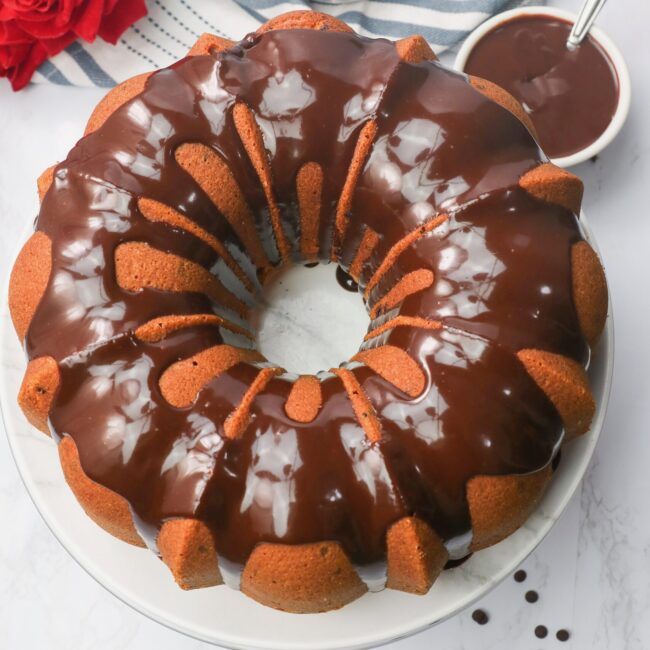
(34, 30)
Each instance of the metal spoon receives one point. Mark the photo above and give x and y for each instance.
(590, 9)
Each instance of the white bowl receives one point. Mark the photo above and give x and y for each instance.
(624, 90)
(227, 618)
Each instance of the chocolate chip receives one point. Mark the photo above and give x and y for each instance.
(480, 616)
(562, 635)
(531, 596)
(520, 575)
(541, 631)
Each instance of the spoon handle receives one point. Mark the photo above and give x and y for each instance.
(590, 9)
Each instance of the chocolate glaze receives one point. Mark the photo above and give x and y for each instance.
(503, 282)
(345, 280)
(571, 95)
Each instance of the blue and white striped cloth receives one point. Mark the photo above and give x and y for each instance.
(172, 26)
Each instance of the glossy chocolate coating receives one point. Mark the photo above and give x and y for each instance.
(345, 280)
(571, 95)
(503, 282)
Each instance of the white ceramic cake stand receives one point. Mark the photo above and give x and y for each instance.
(225, 617)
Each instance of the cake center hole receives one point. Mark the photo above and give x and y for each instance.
(305, 321)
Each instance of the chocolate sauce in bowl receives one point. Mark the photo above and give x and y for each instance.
(571, 95)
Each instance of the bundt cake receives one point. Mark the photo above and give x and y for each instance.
(308, 143)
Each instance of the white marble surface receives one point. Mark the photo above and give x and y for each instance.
(592, 572)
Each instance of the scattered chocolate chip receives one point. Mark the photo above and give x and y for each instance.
(520, 575)
(480, 616)
(541, 631)
(562, 635)
(531, 596)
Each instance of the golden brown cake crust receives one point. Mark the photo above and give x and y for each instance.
(395, 366)
(208, 44)
(251, 137)
(410, 283)
(305, 20)
(504, 99)
(499, 505)
(138, 265)
(187, 547)
(309, 185)
(550, 183)
(361, 405)
(403, 321)
(589, 291)
(303, 579)
(305, 399)
(159, 328)
(115, 98)
(45, 181)
(236, 422)
(180, 382)
(416, 556)
(399, 247)
(156, 211)
(103, 506)
(39, 387)
(361, 151)
(414, 49)
(367, 246)
(211, 172)
(29, 278)
(565, 383)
